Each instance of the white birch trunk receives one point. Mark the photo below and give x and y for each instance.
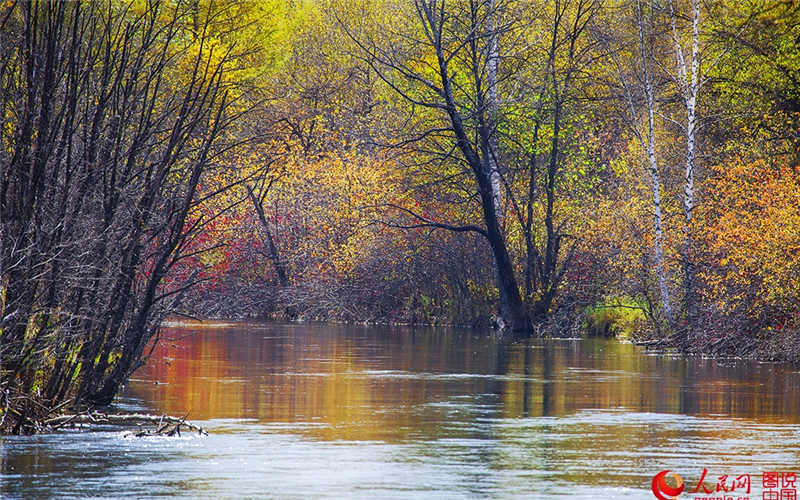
(688, 191)
(493, 104)
(688, 82)
(691, 117)
(654, 177)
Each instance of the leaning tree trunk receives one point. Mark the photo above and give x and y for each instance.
(512, 309)
(515, 317)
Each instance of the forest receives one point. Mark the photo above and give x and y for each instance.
(536, 168)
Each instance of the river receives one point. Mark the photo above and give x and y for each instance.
(312, 411)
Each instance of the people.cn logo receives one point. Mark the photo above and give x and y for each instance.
(664, 491)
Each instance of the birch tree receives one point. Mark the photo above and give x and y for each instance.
(645, 134)
(688, 86)
(492, 99)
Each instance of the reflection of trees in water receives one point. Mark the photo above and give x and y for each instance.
(375, 383)
(562, 377)
(355, 383)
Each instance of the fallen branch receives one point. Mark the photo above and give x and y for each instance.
(165, 425)
(648, 343)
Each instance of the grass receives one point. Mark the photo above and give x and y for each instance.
(618, 317)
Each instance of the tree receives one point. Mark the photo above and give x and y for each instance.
(110, 116)
(449, 49)
(689, 85)
(540, 143)
(757, 76)
(639, 85)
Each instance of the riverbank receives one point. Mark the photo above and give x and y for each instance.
(782, 346)
(769, 346)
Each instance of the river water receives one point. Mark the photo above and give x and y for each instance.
(309, 411)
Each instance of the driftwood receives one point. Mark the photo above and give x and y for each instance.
(164, 424)
(23, 414)
(650, 343)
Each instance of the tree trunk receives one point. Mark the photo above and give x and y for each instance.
(515, 316)
(280, 269)
(511, 304)
(654, 177)
(274, 255)
(689, 88)
(512, 309)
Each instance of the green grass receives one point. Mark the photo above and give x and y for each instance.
(616, 317)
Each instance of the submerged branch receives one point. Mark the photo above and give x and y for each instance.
(23, 414)
(165, 425)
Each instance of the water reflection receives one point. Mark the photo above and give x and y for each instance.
(307, 411)
(368, 383)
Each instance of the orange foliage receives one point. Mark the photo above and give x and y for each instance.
(752, 227)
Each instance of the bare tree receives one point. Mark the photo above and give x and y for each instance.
(110, 120)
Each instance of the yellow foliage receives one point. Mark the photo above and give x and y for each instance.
(333, 202)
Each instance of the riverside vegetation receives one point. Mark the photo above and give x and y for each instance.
(539, 167)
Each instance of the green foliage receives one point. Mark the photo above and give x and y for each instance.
(621, 317)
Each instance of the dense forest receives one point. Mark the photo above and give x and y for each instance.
(536, 167)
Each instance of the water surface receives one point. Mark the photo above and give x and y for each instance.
(309, 411)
